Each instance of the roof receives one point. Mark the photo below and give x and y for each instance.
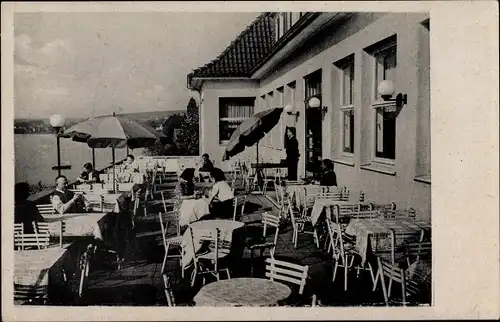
(243, 54)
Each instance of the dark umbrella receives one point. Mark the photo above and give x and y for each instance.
(251, 131)
(115, 132)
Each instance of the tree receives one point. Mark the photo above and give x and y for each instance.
(187, 139)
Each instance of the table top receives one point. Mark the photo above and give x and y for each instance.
(382, 225)
(222, 224)
(242, 292)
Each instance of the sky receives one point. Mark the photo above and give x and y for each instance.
(90, 64)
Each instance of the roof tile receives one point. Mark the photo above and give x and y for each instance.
(243, 53)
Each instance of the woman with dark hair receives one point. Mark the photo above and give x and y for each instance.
(25, 211)
(185, 185)
(221, 196)
(328, 177)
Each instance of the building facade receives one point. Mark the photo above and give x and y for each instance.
(331, 68)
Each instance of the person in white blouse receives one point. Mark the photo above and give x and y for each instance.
(221, 196)
(130, 165)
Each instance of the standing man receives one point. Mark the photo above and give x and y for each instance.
(292, 153)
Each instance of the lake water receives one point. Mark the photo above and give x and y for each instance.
(36, 154)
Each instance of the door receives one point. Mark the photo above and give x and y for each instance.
(313, 120)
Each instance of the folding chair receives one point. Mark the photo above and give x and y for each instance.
(395, 274)
(299, 221)
(168, 290)
(167, 242)
(344, 253)
(217, 250)
(409, 213)
(262, 244)
(239, 203)
(287, 272)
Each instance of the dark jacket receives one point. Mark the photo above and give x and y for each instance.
(292, 149)
(26, 212)
(95, 176)
(207, 166)
(328, 178)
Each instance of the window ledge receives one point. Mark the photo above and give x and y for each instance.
(423, 179)
(380, 168)
(344, 161)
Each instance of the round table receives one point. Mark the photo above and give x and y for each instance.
(242, 292)
(221, 224)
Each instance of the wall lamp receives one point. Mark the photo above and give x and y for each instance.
(289, 109)
(315, 102)
(386, 90)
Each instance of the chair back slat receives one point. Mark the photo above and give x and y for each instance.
(46, 209)
(239, 203)
(409, 213)
(288, 272)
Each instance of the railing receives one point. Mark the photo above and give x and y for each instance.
(43, 196)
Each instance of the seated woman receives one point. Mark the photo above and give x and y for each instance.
(221, 196)
(328, 177)
(25, 211)
(130, 165)
(89, 175)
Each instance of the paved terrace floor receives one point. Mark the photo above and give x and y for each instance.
(139, 282)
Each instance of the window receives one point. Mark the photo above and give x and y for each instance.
(385, 118)
(313, 120)
(232, 112)
(346, 67)
(283, 21)
(280, 128)
(270, 104)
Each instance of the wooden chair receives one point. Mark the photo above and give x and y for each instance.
(395, 274)
(167, 242)
(217, 250)
(239, 203)
(398, 255)
(343, 214)
(344, 253)
(46, 209)
(168, 290)
(36, 240)
(383, 207)
(273, 177)
(287, 272)
(418, 250)
(299, 222)
(262, 244)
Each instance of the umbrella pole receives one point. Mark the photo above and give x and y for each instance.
(93, 158)
(114, 178)
(127, 149)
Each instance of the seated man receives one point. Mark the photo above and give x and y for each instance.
(130, 165)
(65, 201)
(205, 168)
(89, 175)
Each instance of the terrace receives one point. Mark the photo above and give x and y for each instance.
(140, 280)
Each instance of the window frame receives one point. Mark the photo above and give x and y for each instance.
(226, 100)
(379, 105)
(342, 66)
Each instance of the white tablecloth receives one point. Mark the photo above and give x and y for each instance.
(364, 229)
(192, 210)
(80, 224)
(226, 228)
(111, 198)
(36, 269)
(320, 205)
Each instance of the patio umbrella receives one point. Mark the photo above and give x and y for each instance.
(251, 131)
(115, 132)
